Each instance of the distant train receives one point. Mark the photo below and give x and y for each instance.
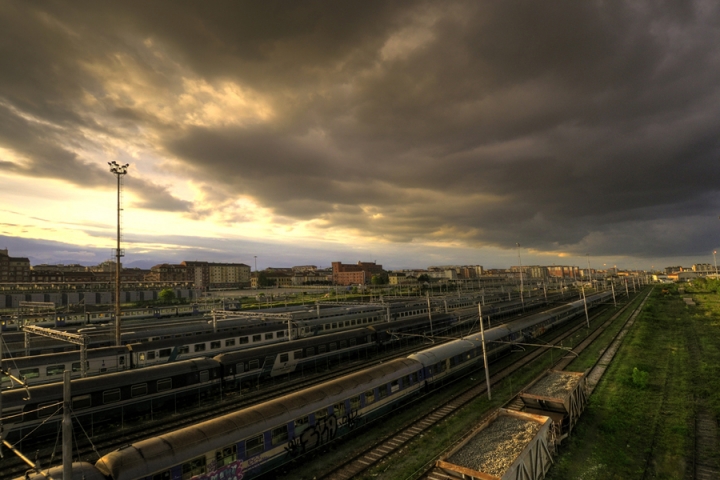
(256, 440)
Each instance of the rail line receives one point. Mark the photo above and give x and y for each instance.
(385, 447)
(13, 467)
(594, 376)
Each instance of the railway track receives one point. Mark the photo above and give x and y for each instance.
(594, 376)
(389, 445)
(705, 456)
(101, 444)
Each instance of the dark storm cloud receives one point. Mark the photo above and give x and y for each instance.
(567, 126)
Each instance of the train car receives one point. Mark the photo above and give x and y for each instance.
(47, 368)
(247, 368)
(114, 401)
(451, 359)
(258, 439)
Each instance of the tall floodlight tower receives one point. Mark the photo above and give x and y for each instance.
(118, 170)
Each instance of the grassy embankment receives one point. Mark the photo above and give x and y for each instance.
(640, 423)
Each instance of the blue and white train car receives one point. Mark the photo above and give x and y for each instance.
(258, 439)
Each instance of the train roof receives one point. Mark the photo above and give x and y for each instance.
(232, 357)
(159, 453)
(201, 337)
(80, 386)
(432, 355)
(59, 357)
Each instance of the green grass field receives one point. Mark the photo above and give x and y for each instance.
(639, 423)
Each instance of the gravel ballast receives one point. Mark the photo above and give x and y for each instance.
(554, 385)
(496, 447)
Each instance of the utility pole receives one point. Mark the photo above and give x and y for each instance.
(429, 313)
(482, 336)
(118, 170)
(587, 317)
(522, 301)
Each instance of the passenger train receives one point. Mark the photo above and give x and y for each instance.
(151, 347)
(256, 440)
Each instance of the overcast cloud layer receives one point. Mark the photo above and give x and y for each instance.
(570, 127)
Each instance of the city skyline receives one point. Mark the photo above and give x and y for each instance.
(408, 133)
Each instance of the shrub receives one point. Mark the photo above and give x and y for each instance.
(640, 378)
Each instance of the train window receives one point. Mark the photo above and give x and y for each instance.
(142, 356)
(164, 384)
(284, 357)
(76, 366)
(204, 376)
(81, 401)
(339, 409)
(257, 338)
(138, 390)
(165, 352)
(352, 342)
(406, 381)
(352, 322)
(297, 354)
(199, 347)
(279, 435)
(226, 456)
(29, 373)
(355, 404)
(150, 356)
(230, 342)
(184, 349)
(320, 414)
(254, 445)
(243, 340)
(333, 346)
(55, 370)
(240, 367)
(414, 377)
(334, 325)
(193, 467)
(301, 424)
(47, 409)
(162, 475)
(280, 334)
(394, 386)
(369, 397)
(254, 364)
(269, 336)
(343, 344)
(310, 351)
(322, 349)
(111, 396)
(214, 345)
(382, 392)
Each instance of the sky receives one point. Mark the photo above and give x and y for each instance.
(407, 133)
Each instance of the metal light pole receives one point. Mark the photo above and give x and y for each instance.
(588, 262)
(715, 258)
(485, 361)
(118, 170)
(522, 301)
(257, 279)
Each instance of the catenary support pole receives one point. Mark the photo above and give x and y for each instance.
(66, 428)
(485, 361)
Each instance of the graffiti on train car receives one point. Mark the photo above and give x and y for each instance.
(324, 431)
(233, 471)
